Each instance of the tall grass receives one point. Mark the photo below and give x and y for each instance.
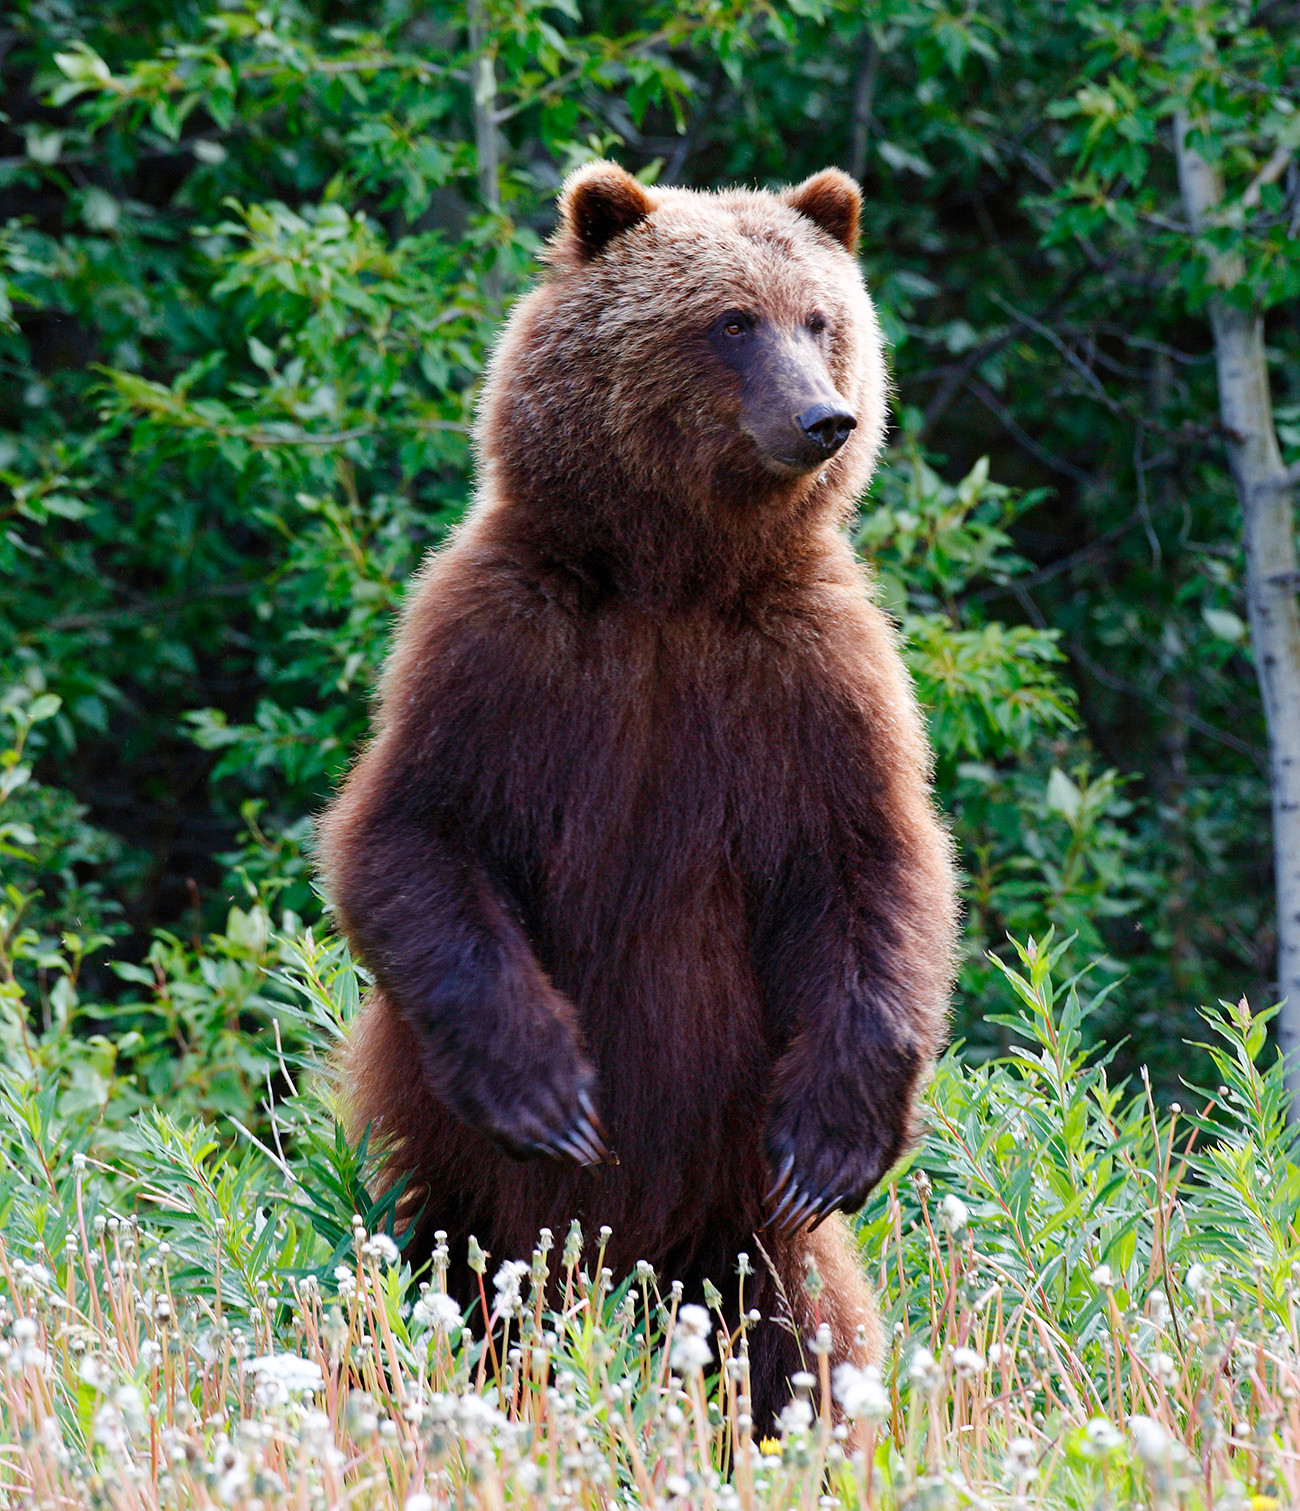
(1089, 1300)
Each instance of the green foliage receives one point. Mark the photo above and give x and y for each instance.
(249, 273)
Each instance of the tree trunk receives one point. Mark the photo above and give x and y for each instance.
(864, 95)
(1264, 490)
(486, 141)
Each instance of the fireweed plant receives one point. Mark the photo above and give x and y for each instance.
(1088, 1301)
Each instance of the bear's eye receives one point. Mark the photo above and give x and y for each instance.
(736, 323)
(816, 324)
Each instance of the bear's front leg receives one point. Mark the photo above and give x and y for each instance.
(854, 952)
(498, 1044)
(842, 1108)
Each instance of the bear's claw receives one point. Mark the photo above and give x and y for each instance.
(778, 1185)
(581, 1143)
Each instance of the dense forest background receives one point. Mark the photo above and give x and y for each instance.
(253, 256)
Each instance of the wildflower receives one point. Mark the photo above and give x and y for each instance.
(796, 1417)
(678, 1486)
(1021, 1459)
(419, 1502)
(968, 1362)
(1000, 1354)
(1165, 1367)
(694, 1320)
(1103, 1277)
(360, 1418)
(1199, 1280)
(924, 1369)
(288, 1371)
(954, 1214)
(108, 1429)
(96, 1373)
(1152, 1441)
(1101, 1434)
(691, 1351)
(150, 1354)
(506, 1283)
(127, 1400)
(861, 1392)
(437, 1310)
(381, 1247)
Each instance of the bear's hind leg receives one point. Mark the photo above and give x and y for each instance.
(846, 1304)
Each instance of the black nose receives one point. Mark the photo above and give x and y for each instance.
(826, 426)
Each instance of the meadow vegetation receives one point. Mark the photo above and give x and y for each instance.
(1088, 1300)
(251, 259)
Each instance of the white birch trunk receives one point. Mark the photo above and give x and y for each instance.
(1264, 490)
(486, 141)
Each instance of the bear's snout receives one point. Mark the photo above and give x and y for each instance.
(826, 427)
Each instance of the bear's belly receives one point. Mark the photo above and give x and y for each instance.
(650, 942)
(669, 1007)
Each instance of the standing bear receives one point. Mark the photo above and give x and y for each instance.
(643, 857)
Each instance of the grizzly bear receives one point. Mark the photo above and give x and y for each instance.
(643, 859)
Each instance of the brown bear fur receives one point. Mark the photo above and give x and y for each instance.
(647, 811)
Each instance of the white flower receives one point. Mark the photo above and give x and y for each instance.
(108, 1429)
(33, 1277)
(382, 1247)
(1102, 1435)
(953, 1213)
(506, 1283)
(419, 1502)
(1199, 1280)
(288, 1371)
(437, 1310)
(150, 1354)
(1153, 1442)
(861, 1392)
(694, 1320)
(1165, 1367)
(1000, 1354)
(797, 1417)
(968, 1362)
(1103, 1277)
(96, 1373)
(690, 1353)
(924, 1369)
(127, 1400)
(1020, 1460)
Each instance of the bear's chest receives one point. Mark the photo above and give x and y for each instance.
(633, 768)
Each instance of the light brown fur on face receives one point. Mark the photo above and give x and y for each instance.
(645, 836)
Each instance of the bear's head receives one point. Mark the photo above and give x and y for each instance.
(695, 368)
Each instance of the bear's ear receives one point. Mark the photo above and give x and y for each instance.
(831, 200)
(597, 202)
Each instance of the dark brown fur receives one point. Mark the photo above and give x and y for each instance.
(647, 810)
